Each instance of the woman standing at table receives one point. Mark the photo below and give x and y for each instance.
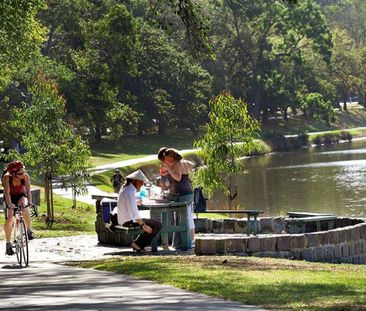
(178, 169)
(128, 213)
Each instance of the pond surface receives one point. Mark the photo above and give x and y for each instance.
(329, 179)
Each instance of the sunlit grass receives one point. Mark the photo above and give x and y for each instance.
(272, 283)
(67, 221)
(132, 147)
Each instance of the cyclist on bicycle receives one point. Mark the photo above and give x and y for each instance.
(17, 192)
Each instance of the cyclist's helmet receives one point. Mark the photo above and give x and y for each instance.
(14, 166)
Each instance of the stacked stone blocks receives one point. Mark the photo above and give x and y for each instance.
(345, 244)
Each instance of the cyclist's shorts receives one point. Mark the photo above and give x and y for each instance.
(14, 199)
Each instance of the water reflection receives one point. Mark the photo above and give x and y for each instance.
(327, 179)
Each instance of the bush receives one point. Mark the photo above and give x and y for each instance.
(345, 135)
(331, 137)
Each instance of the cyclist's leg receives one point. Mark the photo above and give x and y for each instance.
(8, 226)
(23, 201)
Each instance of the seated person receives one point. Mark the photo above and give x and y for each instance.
(128, 213)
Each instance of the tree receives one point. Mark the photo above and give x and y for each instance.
(97, 41)
(77, 182)
(194, 20)
(51, 146)
(169, 83)
(315, 106)
(20, 35)
(260, 47)
(229, 136)
(121, 119)
(346, 67)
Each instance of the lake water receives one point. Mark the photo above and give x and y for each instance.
(329, 179)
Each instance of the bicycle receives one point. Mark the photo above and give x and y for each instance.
(20, 243)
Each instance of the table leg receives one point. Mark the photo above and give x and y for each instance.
(318, 226)
(185, 235)
(255, 224)
(165, 222)
(154, 244)
(163, 218)
(248, 225)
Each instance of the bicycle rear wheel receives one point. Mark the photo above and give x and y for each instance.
(21, 244)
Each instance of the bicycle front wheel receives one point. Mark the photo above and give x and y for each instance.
(21, 244)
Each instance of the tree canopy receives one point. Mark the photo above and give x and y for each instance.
(129, 67)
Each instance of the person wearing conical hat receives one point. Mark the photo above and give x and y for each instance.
(128, 213)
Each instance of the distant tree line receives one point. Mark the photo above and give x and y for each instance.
(134, 67)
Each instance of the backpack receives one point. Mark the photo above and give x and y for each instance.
(199, 201)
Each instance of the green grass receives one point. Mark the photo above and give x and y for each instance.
(353, 118)
(212, 215)
(272, 283)
(133, 147)
(108, 151)
(68, 221)
(336, 135)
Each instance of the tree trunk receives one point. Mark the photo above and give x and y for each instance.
(47, 196)
(51, 196)
(98, 132)
(345, 104)
(161, 129)
(363, 100)
(257, 104)
(285, 115)
(265, 116)
(73, 196)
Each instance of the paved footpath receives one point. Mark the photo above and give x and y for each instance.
(48, 285)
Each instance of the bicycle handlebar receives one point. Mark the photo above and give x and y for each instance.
(34, 212)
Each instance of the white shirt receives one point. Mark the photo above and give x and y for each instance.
(126, 205)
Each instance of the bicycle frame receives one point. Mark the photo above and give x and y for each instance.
(20, 237)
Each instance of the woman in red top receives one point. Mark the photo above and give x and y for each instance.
(17, 192)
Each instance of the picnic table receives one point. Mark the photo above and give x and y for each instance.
(159, 210)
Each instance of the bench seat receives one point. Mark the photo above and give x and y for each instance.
(302, 221)
(131, 231)
(306, 214)
(220, 211)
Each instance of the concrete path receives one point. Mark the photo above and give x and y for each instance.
(48, 285)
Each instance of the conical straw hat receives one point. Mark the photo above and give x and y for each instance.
(138, 175)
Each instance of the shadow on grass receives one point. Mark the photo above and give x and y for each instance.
(289, 292)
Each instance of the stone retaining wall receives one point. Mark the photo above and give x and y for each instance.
(345, 244)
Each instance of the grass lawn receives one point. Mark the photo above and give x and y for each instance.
(272, 283)
(354, 117)
(134, 147)
(108, 151)
(68, 221)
